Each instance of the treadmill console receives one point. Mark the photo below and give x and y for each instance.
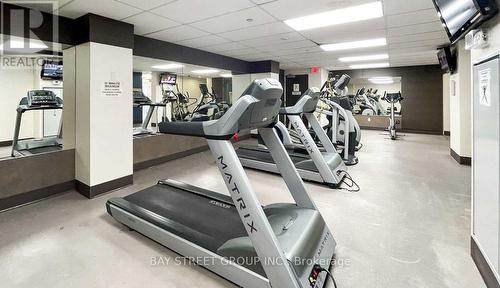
(41, 98)
(140, 98)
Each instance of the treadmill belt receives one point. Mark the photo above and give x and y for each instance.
(263, 155)
(196, 217)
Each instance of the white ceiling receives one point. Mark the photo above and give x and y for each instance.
(254, 30)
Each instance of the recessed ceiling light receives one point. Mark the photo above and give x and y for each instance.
(364, 58)
(168, 66)
(339, 16)
(249, 20)
(205, 71)
(226, 75)
(369, 65)
(355, 44)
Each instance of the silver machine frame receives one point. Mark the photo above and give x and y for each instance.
(28, 144)
(250, 210)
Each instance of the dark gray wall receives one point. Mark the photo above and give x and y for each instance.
(27, 179)
(422, 89)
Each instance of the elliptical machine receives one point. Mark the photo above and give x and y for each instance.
(392, 98)
(343, 129)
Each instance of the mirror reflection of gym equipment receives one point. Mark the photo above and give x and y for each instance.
(369, 107)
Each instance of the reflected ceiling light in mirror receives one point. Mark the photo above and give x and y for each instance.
(382, 80)
(364, 58)
(205, 71)
(167, 66)
(226, 75)
(338, 16)
(369, 65)
(19, 43)
(354, 44)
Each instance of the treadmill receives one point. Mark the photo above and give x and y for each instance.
(322, 167)
(141, 100)
(37, 100)
(278, 245)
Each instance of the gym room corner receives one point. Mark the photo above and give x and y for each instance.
(250, 143)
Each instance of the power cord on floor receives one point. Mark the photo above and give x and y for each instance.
(351, 184)
(331, 276)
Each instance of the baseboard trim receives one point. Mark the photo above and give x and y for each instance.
(482, 265)
(91, 192)
(446, 133)
(35, 195)
(460, 159)
(161, 160)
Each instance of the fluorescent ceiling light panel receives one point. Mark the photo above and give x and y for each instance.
(226, 75)
(205, 71)
(19, 43)
(382, 82)
(381, 78)
(339, 16)
(355, 44)
(168, 66)
(364, 58)
(369, 65)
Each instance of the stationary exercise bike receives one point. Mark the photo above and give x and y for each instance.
(392, 98)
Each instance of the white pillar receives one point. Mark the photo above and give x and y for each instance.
(103, 141)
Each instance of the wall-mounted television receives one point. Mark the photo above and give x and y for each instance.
(52, 70)
(447, 59)
(168, 78)
(460, 16)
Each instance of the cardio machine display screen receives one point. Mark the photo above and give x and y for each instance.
(167, 78)
(52, 70)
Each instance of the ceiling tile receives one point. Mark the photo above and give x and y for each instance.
(178, 33)
(411, 18)
(274, 39)
(257, 31)
(235, 21)
(110, 9)
(188, 11)
(225, 47)
(145, 4)
(147, 22)
(417, 37)
(204, 41)
(392, 7)
(288, 45)
(414, 29)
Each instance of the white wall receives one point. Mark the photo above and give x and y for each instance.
(446, 102)
(460, 104)
(485, 217)
(104, 149)
(14, 84)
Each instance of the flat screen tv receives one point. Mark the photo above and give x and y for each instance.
(167, 78)
(460, 16)
(52, 70)
(447, 59)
